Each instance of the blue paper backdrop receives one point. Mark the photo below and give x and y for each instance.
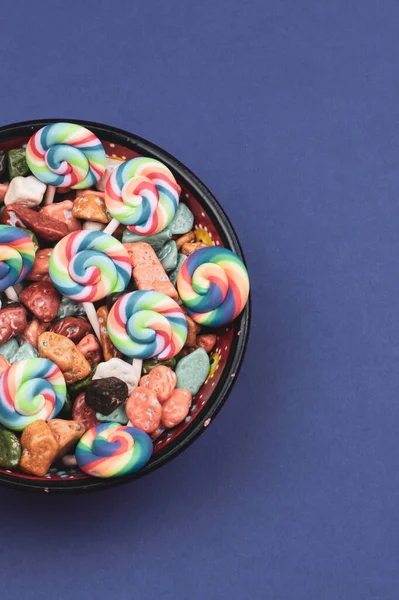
(288, 110)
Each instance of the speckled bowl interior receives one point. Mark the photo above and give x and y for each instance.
(228, 353)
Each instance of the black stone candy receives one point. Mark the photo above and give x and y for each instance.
(105, 395)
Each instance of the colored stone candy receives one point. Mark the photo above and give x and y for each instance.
(168, 256)
(17, 163)
(155, 241)
(39, 271)
(24, 351)
(109, 350)
(39, 448)
(33, 330)
(117, 416)
(176, 407)
(45, 227)
(10, 449)
(42, 299)
(192, 370)
(27, 191)
(148, 272)
(63, 352)
(173, 274)
(67, 434)
(183, 220)
(161, 380)
(83, 413)
(12, 322)
(74, 328)
(144, 410)
(90, 348)
(62, 211)
(105, 395)
(90, 205)
(151, 363)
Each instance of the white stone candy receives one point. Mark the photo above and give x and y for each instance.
(25, 190)
(116, 367)
(110, 165)
(93, 226)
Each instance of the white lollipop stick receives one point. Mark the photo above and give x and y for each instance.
(92, 316)
(11, 294)
(112, 226)
(49, 195)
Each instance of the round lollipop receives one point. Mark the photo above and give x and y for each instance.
(65, 155)
(87, 266)
(17, 253)
(31, 389)
(145, 324)
(141, 193)
(111, 450)
(213, 284)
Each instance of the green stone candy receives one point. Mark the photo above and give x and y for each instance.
(192, 370)
(10, 449)
(79, 386)
(150, 363)
(117, 416)
(69, 308)
(24, 351)
(9, 349)
(168, 256)
(156, 241)
(183, 220)
(173, 274)
(66, 412)
(17, 166)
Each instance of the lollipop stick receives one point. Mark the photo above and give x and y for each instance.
(11, 294)
(49, 195)
(92, 316)
(111, 227)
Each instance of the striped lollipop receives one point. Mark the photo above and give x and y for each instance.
(65, 155)
(87, 266)
(144, 324)
(112, 450)
(31, 389)
(141, 193)
(213, 283)
(17, 254)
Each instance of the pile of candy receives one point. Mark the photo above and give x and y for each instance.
(104, 292)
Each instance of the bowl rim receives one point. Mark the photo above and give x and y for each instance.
(241, 325)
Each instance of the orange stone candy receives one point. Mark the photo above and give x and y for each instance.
(161, 380)
(176, 408)
(143, 409)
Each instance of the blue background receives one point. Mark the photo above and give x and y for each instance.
(289, 111)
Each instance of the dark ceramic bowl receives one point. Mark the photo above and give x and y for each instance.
(228, 354)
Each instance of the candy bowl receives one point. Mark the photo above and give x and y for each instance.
(205, 349)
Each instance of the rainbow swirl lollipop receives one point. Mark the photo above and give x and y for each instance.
(143, 194)
(17, 254)
(213, 283)
(31, 389)
(88, 265)
(66, 155)
(145, 324)
(112, 450)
